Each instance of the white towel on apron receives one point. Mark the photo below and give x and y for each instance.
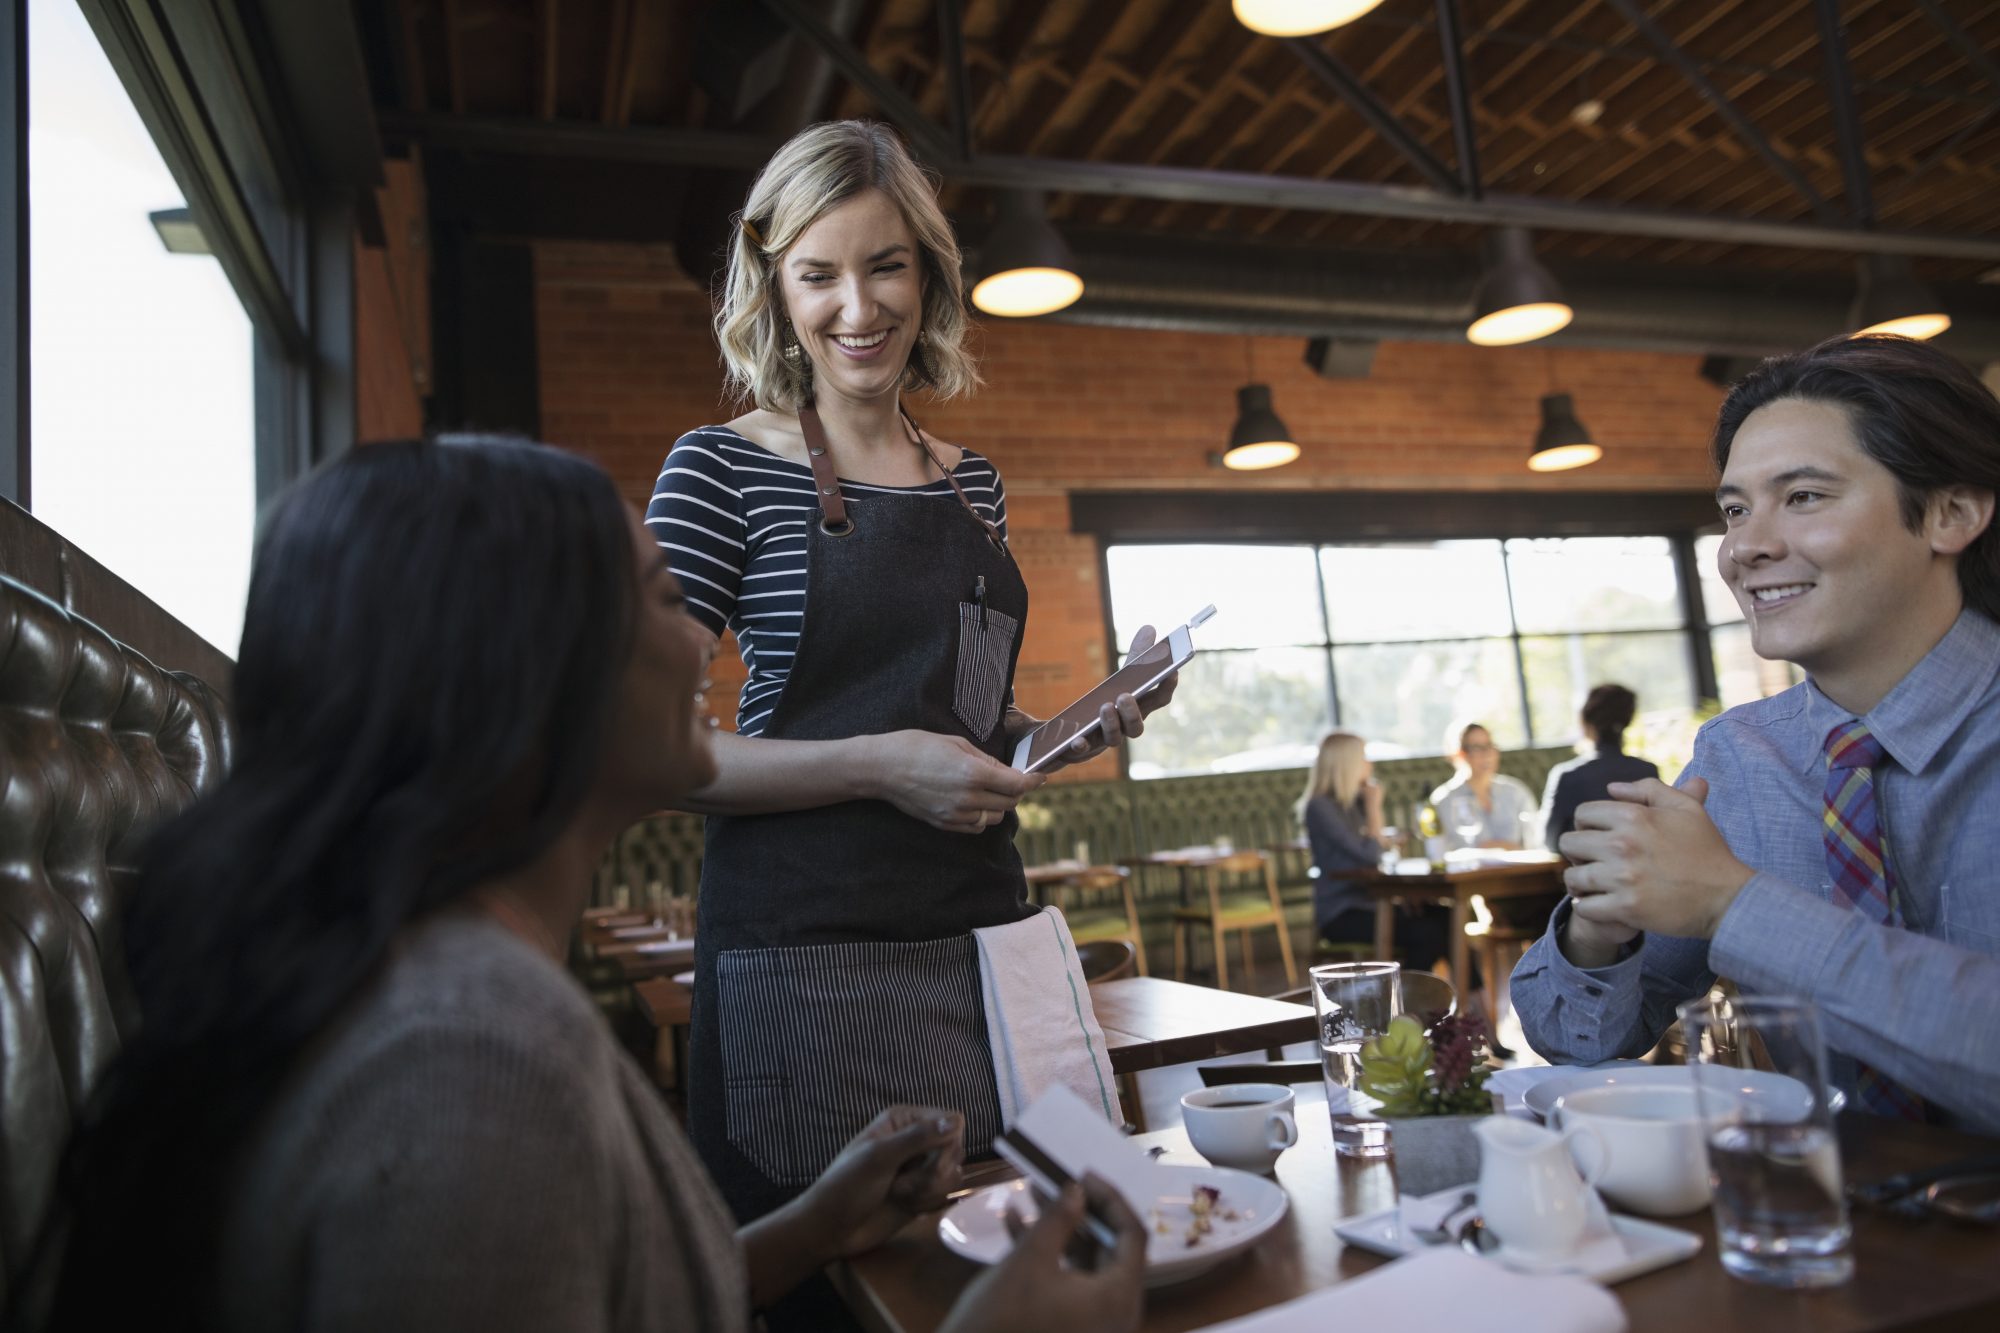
(1038, 1017)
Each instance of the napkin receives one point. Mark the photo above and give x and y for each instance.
(1444, 1289)
(1039, 1021)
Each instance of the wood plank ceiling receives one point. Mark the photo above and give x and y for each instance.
(1180, 83)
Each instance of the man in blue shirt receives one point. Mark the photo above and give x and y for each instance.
(1838, 842)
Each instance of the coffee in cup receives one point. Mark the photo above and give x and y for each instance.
(1241, 1125)
(1651, 1139)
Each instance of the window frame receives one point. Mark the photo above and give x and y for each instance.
(1693, 626)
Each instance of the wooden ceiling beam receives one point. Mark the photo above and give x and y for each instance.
(1787, 135)
(1560, 182)
(416, 91)
(1009, 49)
(548, 75)
(454, 60)
(1595, 136)
(614, 107)
(1746, 129)
(1083, 47)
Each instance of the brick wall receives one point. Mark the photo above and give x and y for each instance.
(627, 364)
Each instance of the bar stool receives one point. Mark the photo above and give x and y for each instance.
(1241, 913)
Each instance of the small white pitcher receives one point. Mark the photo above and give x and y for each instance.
(1530, 1195)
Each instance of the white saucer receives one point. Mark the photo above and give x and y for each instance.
(1751, 1084)
(976, 1226)
(1641, 1247)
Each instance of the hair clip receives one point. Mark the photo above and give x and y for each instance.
(751, 231)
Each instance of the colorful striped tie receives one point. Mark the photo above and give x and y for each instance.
(1857, 858)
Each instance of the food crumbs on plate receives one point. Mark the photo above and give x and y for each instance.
(1203, 1207)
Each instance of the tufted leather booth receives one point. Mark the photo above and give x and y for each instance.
(98, 747)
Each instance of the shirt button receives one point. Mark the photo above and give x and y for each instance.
(1593, 991)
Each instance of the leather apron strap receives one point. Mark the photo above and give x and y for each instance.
(826, 482)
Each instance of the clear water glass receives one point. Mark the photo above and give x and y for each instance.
(1759, 1066)
(1354, 1002)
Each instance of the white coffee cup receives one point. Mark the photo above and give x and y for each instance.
(1655, 1153)
(1242, 1125)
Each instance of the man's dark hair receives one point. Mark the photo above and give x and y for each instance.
(1915, 410)
(1608, 709)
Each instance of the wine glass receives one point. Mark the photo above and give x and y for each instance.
(1467, 821)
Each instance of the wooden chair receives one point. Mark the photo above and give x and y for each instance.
(1105, 960)
(1104, 922)
(1240, 913)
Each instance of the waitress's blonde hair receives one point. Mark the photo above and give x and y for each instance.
(820, 168)
(1337, 772)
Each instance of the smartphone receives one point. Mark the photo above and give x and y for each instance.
(1046, 743)
(1047, 1178)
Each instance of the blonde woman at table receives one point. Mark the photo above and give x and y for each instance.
(861, 825)
(366, 1093)
(1481, 806)
(1341, 811)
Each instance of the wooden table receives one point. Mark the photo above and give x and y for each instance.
(1937, 1273)
(1150, 1022)
(1524, 875)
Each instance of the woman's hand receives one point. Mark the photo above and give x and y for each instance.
(1034, 1290)
(1124, 717)
(903, 1165)
(946, 781)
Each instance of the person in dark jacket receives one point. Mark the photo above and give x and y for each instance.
(1606, 713)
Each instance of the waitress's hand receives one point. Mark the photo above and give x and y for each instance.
(905, 1164)
(1124, 717)
(1035, 1289)
(948, 782)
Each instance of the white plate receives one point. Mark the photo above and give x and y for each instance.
(1642, 1246)
(976, 1226)
(1751, 1084)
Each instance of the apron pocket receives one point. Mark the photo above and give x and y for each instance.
(984, 650)
(817, 1040)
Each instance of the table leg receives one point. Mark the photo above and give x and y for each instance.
(1135, 1108)
(1385, 929)
(1461, 949)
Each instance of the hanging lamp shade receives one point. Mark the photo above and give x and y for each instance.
(1028, 267)
(1298, 18)
(1258, 440)
(1892, 300)
(1563, 442)
(1517, 300)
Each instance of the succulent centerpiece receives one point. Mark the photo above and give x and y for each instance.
(1431, 1088)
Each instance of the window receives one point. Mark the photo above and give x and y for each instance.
(142, 402)
(1400, 641)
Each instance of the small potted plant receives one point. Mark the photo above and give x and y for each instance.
(1431, 1088)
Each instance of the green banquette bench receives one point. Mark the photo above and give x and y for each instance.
(1109, 821)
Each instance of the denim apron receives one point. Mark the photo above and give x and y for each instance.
(834, 969)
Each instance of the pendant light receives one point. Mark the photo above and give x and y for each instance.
(1298, 18)
(1563, 442)
(1259, 439)
(1892, 300)
(1517, 300)
(1028, 267)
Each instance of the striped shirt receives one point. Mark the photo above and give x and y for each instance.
(732, 515)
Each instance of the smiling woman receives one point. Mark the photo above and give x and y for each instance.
(862, 824)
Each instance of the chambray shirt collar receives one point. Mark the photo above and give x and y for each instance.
(1926, 707)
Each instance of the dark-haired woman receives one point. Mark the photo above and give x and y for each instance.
(365, 1094)
(1607, 712)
